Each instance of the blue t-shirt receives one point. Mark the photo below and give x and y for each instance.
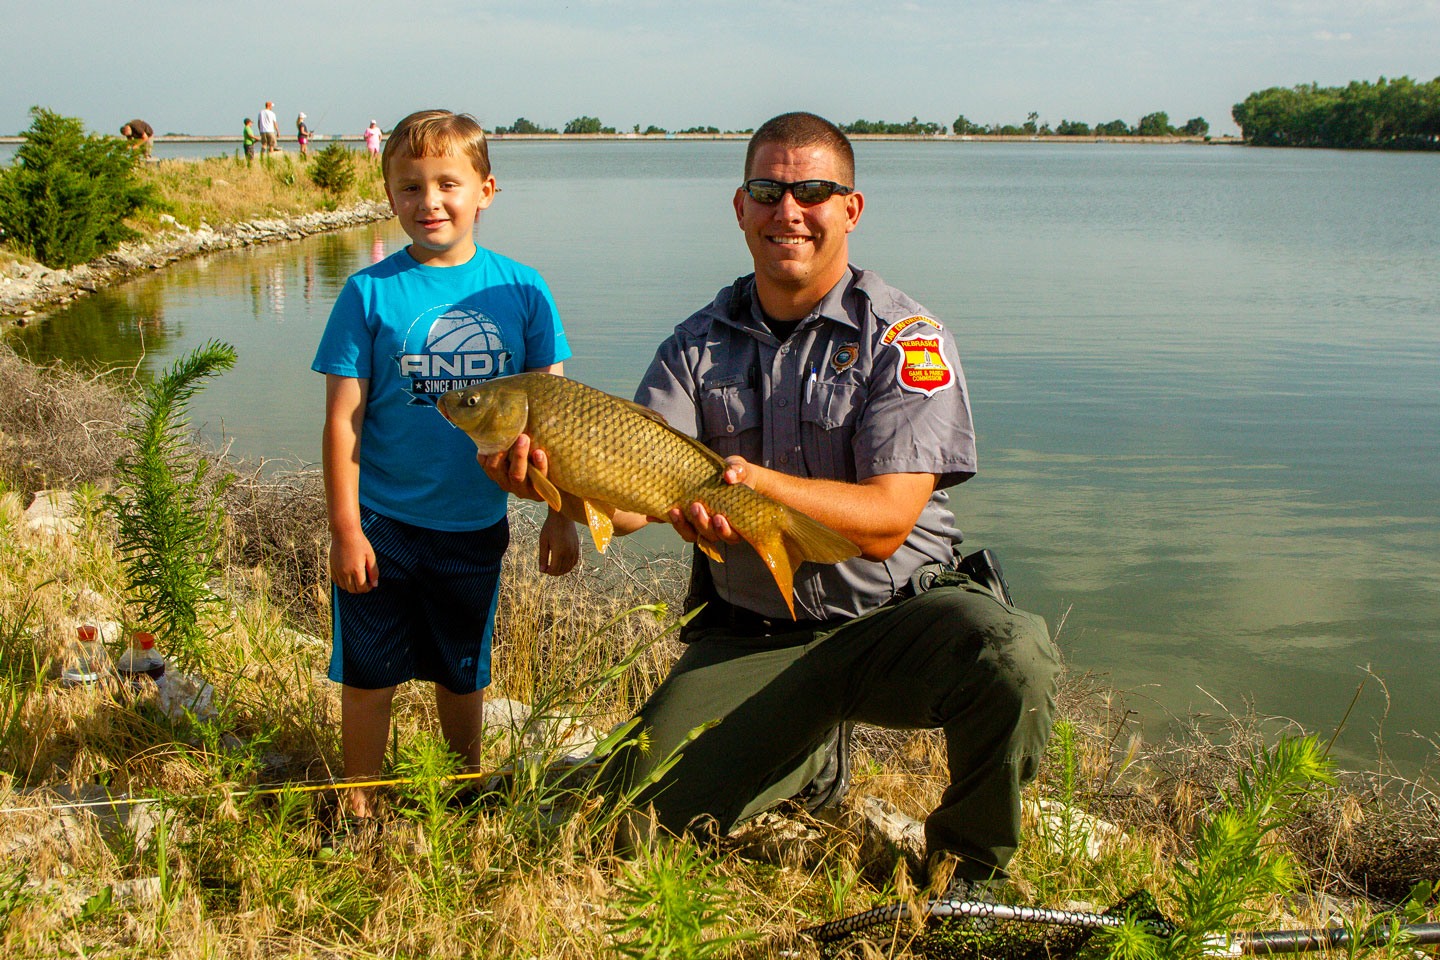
(414, 332)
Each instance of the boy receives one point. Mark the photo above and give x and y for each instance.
(248, 138)
(417, 530)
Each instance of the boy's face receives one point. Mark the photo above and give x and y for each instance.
(437, 200)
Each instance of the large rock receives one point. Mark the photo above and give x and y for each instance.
(52, 513)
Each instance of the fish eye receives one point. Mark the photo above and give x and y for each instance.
(471, 401)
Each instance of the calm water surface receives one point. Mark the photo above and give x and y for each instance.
(1206, 380)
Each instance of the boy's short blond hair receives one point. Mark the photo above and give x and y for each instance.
(438, 133)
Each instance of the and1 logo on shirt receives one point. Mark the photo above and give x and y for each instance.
(458, 349)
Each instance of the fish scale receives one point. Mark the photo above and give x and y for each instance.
(610, 452)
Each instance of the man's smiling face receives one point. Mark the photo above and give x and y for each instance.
(800, 249)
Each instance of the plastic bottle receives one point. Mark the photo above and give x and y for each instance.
(86, 661)
(141, 659)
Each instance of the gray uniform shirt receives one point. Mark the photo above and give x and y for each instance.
(867, 384)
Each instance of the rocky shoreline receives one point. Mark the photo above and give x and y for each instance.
(26, 290)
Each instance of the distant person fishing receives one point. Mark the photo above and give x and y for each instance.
(269, 126)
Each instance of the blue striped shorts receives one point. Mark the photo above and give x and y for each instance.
(432, 614)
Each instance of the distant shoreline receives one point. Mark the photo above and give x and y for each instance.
(655, 137)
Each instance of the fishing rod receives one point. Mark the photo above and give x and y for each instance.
(1250, 943)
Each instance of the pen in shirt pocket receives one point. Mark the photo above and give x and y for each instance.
(810, 384)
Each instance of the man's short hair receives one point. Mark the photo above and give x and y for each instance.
(800, 129)
(438, 133)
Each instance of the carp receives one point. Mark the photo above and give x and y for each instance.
(610, 452)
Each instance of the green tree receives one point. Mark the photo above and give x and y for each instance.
(333, 170)
(1115, 128)
(521, 125)
(1029, 125)
(1195, 127)
(584, 125)
(963, 127)
(1392, 114)
(1155, 124)
(65, 199)
(652, 129)
(1072, 128)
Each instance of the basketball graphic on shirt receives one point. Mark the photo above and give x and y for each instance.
(457, 349)
(463, 330)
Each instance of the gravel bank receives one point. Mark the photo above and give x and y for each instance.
(26, 290)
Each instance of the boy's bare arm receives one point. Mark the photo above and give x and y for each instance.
(352, 559)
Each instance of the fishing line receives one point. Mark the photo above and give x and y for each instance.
(274, 789)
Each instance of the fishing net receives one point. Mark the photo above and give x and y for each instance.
(970, 930)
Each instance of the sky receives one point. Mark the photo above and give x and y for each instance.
(200, 66)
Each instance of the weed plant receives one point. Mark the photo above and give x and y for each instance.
(168, 518)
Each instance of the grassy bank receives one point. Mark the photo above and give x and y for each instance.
(207, 872)
(219, 190)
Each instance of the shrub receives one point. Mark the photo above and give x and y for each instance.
(66, 198)
(333, 170)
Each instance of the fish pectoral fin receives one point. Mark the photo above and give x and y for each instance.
(808, 539)
(773, 550)
(597, 518)
(546, 489)
(708, 548)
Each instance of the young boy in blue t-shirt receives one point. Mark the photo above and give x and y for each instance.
(417, 530)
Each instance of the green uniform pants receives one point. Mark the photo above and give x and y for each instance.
(953, 657)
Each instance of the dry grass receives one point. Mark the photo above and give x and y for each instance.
(243, 878)
(218, 190)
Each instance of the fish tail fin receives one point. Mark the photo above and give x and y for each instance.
(799, 540)
(775, 549)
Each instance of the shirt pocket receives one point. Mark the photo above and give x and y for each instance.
(828, 416)
(728, 410)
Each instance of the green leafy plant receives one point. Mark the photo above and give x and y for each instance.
(673, 905)
(13, 896)
(169, 519)
(66, 198)
(333, 170)
(1235, 863)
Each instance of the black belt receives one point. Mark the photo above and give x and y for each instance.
(720, 614)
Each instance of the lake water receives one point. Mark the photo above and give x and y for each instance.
(1206, 380)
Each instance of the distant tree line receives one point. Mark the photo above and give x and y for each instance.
(593, 125)
(1151, 125)
(1395, 114)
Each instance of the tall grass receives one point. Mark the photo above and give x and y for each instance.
(219, 190)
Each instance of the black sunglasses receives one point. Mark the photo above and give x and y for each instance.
(805, 192)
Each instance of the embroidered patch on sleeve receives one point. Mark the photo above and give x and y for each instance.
(923, 367)
(893, 332)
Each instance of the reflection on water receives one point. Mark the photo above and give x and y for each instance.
(1205, 380)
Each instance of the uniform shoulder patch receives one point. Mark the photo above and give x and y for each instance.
(923, 367)
(893, 332)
